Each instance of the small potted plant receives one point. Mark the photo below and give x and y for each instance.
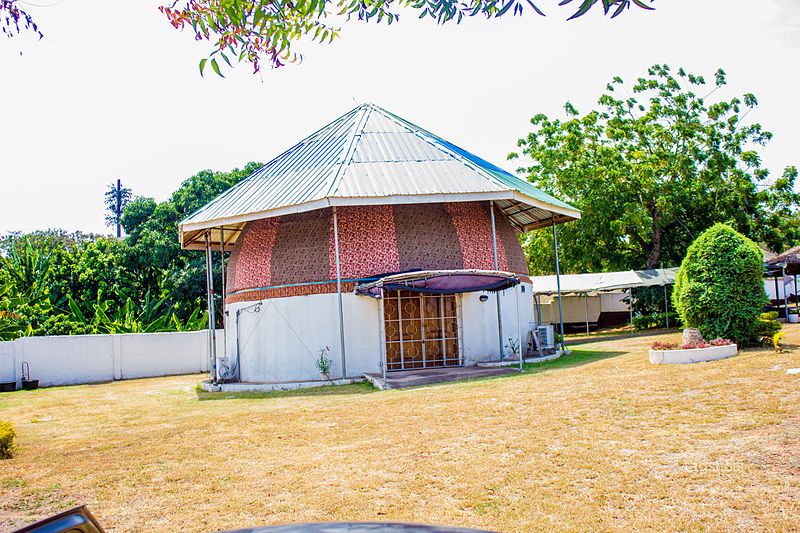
(323, 363)
(793, 317)
(513, 347)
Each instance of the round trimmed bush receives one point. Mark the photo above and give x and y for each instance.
(7, 435)
(719, 288)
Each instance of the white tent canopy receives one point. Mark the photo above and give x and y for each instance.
(604, 281)
(657, 277)
(584, 284)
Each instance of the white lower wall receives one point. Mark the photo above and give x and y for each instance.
(70, 360)
(480, 337)
(280, 341)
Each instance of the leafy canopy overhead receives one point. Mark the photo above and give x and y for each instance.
(14, 20)
(253, 31)
(653, 166)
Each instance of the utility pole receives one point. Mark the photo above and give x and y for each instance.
(116, 198)
(118, 208)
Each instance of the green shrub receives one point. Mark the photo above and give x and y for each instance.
(767, 326)
(719, 288)
(769, 315)
(7, 435)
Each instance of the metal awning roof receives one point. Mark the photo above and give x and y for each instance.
(657, 277)
(439, 282)
(603, 281)
(788, 260)
(370, 156)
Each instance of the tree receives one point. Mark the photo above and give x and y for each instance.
(57, 283)
(14, 20)
(154, 251)
(116, 198)
(650, 169)
(719, 288)
(256, 30)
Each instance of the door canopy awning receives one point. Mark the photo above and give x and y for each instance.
(439, 282)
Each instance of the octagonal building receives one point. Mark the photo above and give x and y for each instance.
(378, 242)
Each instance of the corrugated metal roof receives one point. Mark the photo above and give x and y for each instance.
(371, 156)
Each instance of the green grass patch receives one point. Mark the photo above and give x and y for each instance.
(576, 358)
(328, 390)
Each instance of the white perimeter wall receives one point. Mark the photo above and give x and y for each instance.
(70, 360)
(280, 341)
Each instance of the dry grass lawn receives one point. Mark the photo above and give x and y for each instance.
(600, 441)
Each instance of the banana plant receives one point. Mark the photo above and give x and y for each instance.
(150, 317)
(12, 322)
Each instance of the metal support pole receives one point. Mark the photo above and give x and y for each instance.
(339, 290)
(538, 302)
(558, 285)
(785, 298)
(586, 306)
(224, 294)
(212, 336)
(777, 294)
(382, 316)
(497, 267)
(519, 329)
(238, 347)
(630, 306)
(796, 299)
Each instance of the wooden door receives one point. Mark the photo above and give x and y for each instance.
(421, 330)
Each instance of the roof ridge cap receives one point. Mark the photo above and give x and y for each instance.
(358, 130)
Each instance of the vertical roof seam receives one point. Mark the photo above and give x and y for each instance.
(348, 156)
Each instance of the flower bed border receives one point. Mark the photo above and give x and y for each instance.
(693, 355)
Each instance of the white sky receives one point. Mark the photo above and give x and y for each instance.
(114, 92)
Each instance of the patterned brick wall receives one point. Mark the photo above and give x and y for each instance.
(512, 253)
(367, 242)
(473, 225)
(426, 237)
(251, 262)
(296, 249)
(300, 253)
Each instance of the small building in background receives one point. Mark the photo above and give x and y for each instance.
(596, 300)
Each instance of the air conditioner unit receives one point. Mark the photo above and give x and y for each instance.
(546, 334)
